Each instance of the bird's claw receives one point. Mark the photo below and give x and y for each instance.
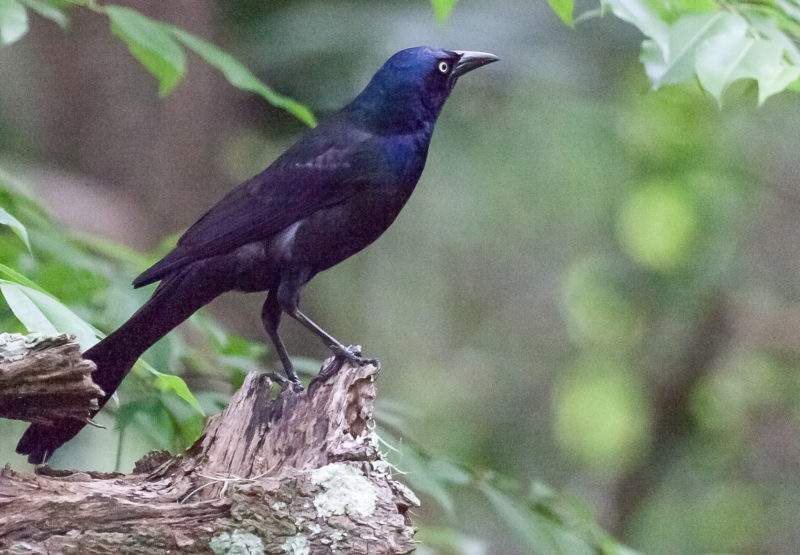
(297, 387)
(352, 353)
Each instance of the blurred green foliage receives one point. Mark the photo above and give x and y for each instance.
(83, 279)
(601, 412)
(442, 8)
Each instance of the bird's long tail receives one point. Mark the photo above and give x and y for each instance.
(176, 298)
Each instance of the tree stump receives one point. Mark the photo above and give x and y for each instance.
(276, 472)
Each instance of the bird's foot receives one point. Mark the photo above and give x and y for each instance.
(297, 387)
(352, 353)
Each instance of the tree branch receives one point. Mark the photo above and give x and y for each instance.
(276, 472)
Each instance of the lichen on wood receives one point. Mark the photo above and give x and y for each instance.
(276, 472)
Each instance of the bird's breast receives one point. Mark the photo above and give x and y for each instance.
(405, 158)
(334, 233)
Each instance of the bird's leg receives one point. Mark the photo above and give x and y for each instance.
(288, 298)
(271, 317)
(351, 352)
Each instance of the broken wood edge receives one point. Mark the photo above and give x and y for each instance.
(44, 379)
(275, 472)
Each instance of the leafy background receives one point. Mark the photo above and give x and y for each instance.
(587, 314)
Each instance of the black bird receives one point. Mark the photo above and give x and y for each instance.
(331, 194)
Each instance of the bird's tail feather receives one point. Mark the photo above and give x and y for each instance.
(176, 298)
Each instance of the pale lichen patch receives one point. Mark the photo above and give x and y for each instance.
(345, 490)
(381, 466)
(15, 346)
(236, 543)
(296, 545)
(338, 535)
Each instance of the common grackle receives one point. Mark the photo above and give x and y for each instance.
(327, 197)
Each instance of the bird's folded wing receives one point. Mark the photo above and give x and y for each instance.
(294, 187)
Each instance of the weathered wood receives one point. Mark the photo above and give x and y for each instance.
(276, 472)
(43, 379)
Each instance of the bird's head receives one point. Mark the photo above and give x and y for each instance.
(412, 86)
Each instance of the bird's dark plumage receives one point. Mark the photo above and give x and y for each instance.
(327, 197)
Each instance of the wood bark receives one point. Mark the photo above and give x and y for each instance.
(276, 472)
(43, 379)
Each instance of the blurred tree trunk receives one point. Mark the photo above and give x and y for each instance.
(101, 115)
(672, 422)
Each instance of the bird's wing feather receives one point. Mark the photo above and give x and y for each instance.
(315, 173)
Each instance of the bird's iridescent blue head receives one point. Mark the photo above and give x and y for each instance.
(410, 89)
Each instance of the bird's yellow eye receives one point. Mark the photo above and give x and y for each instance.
(444, 67)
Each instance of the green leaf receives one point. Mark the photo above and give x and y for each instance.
(151, 418)
(13, 21)
(771, 30)
(170, 382)
(443, 8)
(641, 14)
(176, 385)
(241, 77)
(719, 46)
(414, 465)
(12, 275)
(41, 313)
(563, 9)
(676, 63)
(15, 225)
(734, 54)
(26, 310)
(449, 540)
(47, 10)
(536, 532)
(151, 43)
(674, 9)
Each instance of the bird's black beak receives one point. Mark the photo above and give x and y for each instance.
(471, 60)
